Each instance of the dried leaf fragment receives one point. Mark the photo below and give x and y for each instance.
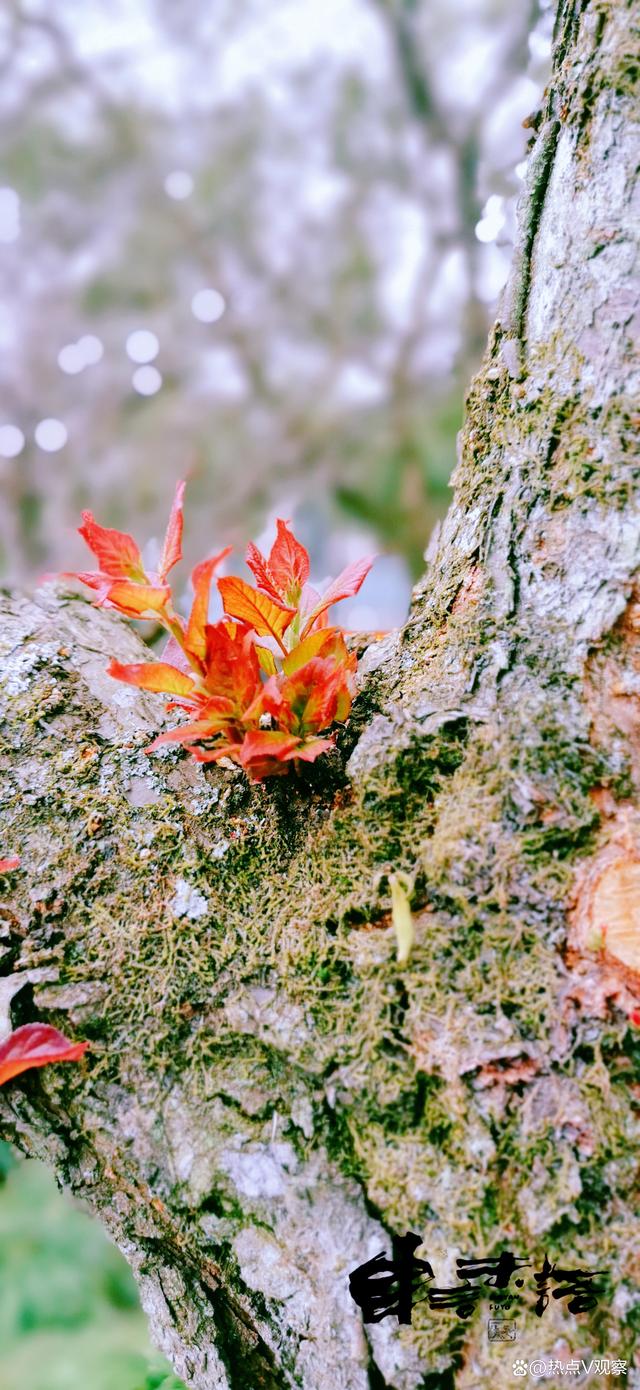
(402, 918)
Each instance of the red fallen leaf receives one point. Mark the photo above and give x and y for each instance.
(634, 1017)
(153, 675)
(35, 1045)
(286, 571)
(6, 865)
(268, 617)
(348, 583)
(196, 639)
(172, 548)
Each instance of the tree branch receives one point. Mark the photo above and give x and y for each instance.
(269, 1096)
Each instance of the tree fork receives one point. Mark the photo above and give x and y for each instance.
(269, 1097)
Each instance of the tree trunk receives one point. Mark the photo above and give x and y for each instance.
(269, 1096)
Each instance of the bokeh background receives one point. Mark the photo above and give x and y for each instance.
(257, 242)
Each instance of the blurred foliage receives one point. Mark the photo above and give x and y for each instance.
(407, 486)
(346, 178)
(69, 1312)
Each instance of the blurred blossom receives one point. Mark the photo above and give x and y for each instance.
(8, 328)
(51, 435)
(492, 220)
(495, 265)
(208, 306)
(540, 45)
(221, 375)
(76, 356)
(9, 215)
(357, 385)
(142, 346)
(71, 359)
(91, 348)
(11, 441)
(146, 381)
(178, 185)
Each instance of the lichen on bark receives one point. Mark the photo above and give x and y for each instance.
(269, 1096)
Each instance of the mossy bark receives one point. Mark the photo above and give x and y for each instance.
(269, 1096)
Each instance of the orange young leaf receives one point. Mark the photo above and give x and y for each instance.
(134, 600)
(288, 563)
(346, 585)
(314, 696)
(116, 552)
(35, 1045)
(325, 642)
(196, 640)
(260, 570)
(214, 755)
(213, 718)
(6, 865)
(189, 733)
(267, 660)
(153, 675)
(273, 742)
(268, 700)
(126, 596)
(172, 548)
(91, 578)
(263, 750)
(312, 748)
(286, 571)
(231, 664)
(263, 614)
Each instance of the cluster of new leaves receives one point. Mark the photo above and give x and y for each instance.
(263, 686)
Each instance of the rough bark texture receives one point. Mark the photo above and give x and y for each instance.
(268, 1095)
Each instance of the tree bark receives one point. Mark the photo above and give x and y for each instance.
(269, 1096)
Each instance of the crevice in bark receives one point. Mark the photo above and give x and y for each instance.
(537, 184)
